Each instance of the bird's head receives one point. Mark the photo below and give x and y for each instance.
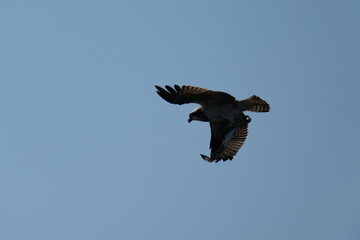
(198, 115)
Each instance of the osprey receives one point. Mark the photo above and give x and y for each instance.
(228, 123)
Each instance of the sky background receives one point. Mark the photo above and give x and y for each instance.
(88, 150)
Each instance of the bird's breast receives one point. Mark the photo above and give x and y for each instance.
(221, 112)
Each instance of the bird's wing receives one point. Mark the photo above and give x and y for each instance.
(189, 94)
(226, 139)
(254, 104)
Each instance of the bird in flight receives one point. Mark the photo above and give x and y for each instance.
(228, 123)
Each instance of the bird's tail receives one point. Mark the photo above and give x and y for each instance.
(254, 104)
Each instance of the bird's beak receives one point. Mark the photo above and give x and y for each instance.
(189, 120)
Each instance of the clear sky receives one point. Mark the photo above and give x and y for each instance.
(88, 150)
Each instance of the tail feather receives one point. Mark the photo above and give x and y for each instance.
(254, 104)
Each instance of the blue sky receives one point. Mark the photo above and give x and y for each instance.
(90, 151)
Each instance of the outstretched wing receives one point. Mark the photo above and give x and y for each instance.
(190, 94)
(226, 139)
(254, 104)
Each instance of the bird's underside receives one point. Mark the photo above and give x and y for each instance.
(228, 123)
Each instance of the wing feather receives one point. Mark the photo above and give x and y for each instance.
(190, 94)
(254, 104)
(222, 149)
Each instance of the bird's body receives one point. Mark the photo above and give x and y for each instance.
(218, 112)
(228, 123)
